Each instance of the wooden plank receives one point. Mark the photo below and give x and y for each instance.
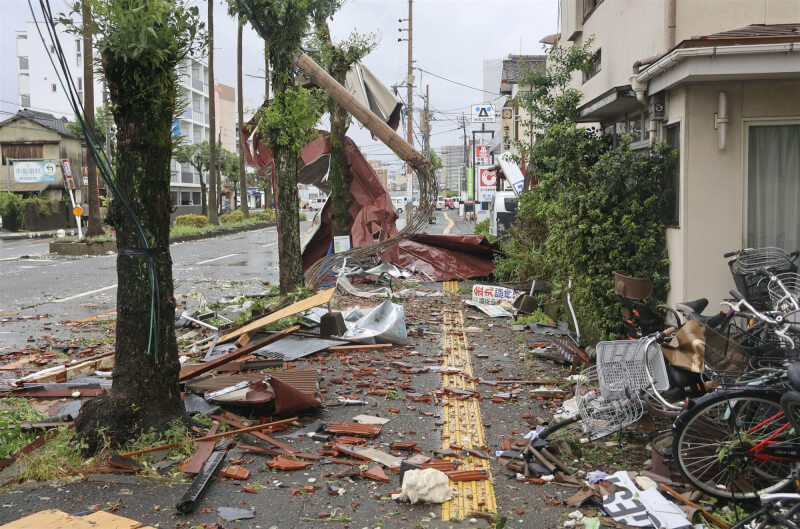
(50, 519)
(106, 520)
(233, 355)
(194, 464)
(248, 429)
(296, 308)
(244, 339)
(274, 442)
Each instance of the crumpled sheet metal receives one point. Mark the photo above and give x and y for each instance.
(443, 257)
(385, 323)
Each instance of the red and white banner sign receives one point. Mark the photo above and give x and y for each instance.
(481, 154)
(487, 181)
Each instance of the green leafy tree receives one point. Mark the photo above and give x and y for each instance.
(435, 159)
(101, 116)
(197, 155)
(596, 208)
(288, 122)
(337, 59)
(140, 43)
(229, 169)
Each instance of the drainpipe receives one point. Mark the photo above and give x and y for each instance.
(721, 121)
(672, 18)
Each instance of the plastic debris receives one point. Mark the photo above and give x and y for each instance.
(428, 485)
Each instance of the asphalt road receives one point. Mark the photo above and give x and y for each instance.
(45, 290)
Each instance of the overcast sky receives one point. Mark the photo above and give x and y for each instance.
(451, 40)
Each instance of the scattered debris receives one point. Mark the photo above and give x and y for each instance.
(426, 485)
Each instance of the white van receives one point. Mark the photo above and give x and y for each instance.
(502, 211)
(399, 203)
(317, 203)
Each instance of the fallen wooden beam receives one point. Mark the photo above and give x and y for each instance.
(274, 442)
(209, 437)
(238, 353)
(296, 308)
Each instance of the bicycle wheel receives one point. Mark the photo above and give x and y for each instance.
(566, 430)
(714, 444)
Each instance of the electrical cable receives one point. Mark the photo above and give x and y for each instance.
(456, 82)
(105, 171)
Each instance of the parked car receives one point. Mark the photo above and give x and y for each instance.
(399, 204)
(317, 203)
(440, 203)
(449, 203)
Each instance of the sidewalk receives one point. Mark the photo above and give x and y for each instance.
(6, 235)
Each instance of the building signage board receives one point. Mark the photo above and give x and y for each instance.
(26, 172)
(470, 184)
(487, 182)
(507, 122)
(483, 113)
(481, 154)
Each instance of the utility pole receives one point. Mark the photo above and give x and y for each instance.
(94, 226)
(463, 180)
(409, 92)
(426, 120)
(213, 218)
(240, 119)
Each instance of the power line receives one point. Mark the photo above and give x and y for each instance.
(458, 83)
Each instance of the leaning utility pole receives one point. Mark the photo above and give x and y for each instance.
(462, 182)
(213, 218)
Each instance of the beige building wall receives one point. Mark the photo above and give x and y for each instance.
(714, 182)
(225, 105)
(55, 147)
(630, 30)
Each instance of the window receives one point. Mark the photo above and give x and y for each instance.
(79, 83)
(196, 197)
(25, 100)
(636, 125)
(53, 88)
(589, 7)
(773, 186)
(672, 137)
(23, 63)
(186, 198)
(22, 151)
(591, 72)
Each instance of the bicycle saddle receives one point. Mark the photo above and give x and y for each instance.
(794, 375)
(698, 305)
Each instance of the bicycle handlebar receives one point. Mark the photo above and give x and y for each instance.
(730, 254)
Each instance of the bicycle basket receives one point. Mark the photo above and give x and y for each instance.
(605, 412)
(751, 260)
(631, 353)
(785, 299)
(744, 270)
(729, 363)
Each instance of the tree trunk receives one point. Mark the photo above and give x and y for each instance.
(95, 226)
(145, 392)
(240, 119)
(213, 217)
(203, 201)
(286, 167)
(340, 175)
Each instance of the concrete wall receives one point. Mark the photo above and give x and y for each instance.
(704, 17)
(714, 181)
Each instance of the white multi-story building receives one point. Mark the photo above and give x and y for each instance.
(38, 85)
(192, 124)
(454, 161)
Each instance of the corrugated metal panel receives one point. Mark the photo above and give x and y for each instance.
(294, 347)
(304, 380)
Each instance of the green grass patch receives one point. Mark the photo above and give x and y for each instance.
(537, 316)
(57, 459)
(13, 411)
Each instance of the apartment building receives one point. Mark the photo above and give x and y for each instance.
(453, 166)
(718, 80)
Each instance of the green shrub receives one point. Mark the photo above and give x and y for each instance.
(303, 217)
(41, 205)
(482, 228)
(198, 221)
(267, 214)
(233, 216)
(11, 207)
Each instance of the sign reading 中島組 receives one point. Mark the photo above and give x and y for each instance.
(487, 183)
(26, 172)
(492, 295)
(483, 113)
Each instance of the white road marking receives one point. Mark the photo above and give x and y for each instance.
(449, 226)
(269, 244)
(218, 258)
(89, 293)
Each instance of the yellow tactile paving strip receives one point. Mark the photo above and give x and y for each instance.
(462, 420)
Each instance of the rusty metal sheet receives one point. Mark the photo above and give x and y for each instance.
(304, 380)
